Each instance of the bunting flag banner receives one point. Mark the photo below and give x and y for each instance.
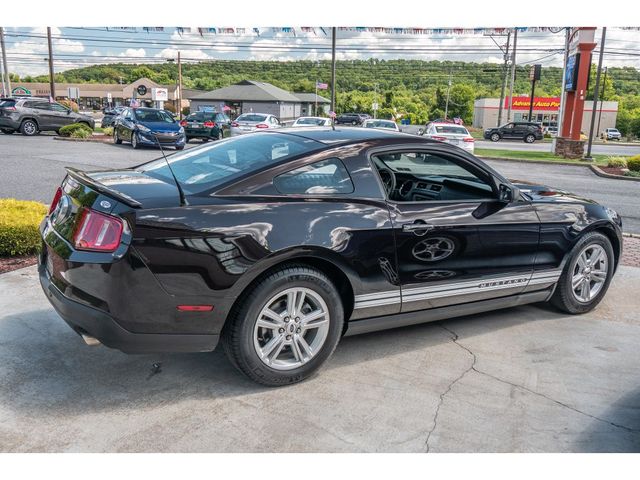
(182, 30)
(153, 29)
(323, 31)
(128, 29)
(256, 31)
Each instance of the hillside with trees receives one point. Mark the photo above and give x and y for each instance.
(413, 89)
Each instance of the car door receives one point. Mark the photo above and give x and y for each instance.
(507, 131)
(456, 241)
(125, 125)
(43, 114)
(520, 130)
(60, 116)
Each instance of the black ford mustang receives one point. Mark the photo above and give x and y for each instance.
(278, 243)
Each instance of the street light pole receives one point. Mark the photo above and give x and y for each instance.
(505, 72)
(513, 73)
(179, 87)
(333, 69)
(7, 80)
(595, 96)
(446, 105)
(52, 85)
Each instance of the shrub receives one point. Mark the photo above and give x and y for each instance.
(107, 131)
(81, 133)
(617, 162)
(68, 130)
(19, 222)
(633, 163)
(70, 104)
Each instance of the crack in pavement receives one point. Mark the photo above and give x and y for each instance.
(472, 367)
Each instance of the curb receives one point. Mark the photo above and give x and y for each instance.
(89, 139)
(631, 235)
(541, 162)
(601, 173)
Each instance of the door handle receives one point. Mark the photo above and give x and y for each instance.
(418, 228)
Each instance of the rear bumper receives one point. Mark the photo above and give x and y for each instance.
(100, 325)
(8, 122)
(202, 133)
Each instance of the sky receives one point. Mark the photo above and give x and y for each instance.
(78, 46)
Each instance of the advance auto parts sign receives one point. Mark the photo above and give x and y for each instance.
(21, 92)
(539, 103)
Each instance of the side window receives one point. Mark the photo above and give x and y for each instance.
(324, 177)
(423, 176)
(38, 105)
(58, 108)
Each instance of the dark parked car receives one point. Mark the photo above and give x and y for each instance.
(526, 131)
(206, 125)
(31, 115)
(110, 115)
(148, 126)
(351, 119)
(278, 243)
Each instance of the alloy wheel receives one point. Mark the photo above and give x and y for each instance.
(589, 273)
(291, 328)
(29, 127)
(134, 140)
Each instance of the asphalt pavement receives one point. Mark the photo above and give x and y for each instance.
(526, 379)
(32, 168)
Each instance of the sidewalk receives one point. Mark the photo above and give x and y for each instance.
(631, 252)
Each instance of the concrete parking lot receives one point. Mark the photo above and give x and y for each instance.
(32, 167)
(520, 380)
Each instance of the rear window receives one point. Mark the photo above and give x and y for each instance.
(380, 124)
(310, 121)
(251, 117)
(451, 129)
(7, 103)
(201, 169)
(200, 117)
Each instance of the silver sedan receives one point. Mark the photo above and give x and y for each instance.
(251, 122)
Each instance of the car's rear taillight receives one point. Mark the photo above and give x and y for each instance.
(12, 109)
(56, 200)
(183, 123)
(262, 125)
(235, 124)
(440, 139)
(209, 124)
(97, 231)
(469, 139)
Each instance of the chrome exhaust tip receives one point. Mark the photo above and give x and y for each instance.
(89, 340)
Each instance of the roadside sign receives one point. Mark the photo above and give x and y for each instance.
(160, 94)
(21, 92)
(73, 93)
(109, 98)
(374, 106)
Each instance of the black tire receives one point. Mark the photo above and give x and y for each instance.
(354, 123)
(134, 140)
(8, 131)
(530, 138)
(564, 298)
(179, 147)
(238, 333)
(495, 137)
(116, 138)
(29, 128)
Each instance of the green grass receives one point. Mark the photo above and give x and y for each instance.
(535, 156)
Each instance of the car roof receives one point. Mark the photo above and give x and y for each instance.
(446, 124)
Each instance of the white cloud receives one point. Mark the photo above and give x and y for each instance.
(133, 52)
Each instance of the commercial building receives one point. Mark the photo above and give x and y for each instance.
(95, 96)
(251, 96)
(546, 111)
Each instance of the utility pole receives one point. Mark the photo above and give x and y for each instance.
(595, 96)
(604, 88)
(180, 88)
(333, 69)
(505, 71)
(446, 105)
(375, 101)
(52, 85)
(7, 80)
(513, 72)
(563, 94)
(534, 76)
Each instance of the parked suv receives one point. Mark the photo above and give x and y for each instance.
(206, 125)
(351, 118)
(527, 131)
(612, 134)
(32, 115)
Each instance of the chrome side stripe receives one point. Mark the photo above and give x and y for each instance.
(468, 287)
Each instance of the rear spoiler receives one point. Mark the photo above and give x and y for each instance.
(99, 187)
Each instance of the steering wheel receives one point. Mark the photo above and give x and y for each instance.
(388, 180)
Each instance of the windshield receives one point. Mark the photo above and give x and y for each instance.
(144, 115)
(451, 129)
(7, 103)
(251, 117)
(201, 169)
(310, 121)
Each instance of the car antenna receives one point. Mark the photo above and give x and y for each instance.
(183, 199)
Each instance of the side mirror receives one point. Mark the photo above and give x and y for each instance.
(508, 193)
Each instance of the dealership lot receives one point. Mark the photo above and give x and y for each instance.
(525, 379)
(33, 166)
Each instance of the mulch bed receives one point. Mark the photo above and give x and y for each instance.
(93, 138)
(612, 170)
(7, 264)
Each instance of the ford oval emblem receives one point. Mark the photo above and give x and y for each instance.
(105, 204)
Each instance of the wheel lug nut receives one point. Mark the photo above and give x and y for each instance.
(286, 319)
(298, 330)
(298, 319)
(288, 337)
(281, 330)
